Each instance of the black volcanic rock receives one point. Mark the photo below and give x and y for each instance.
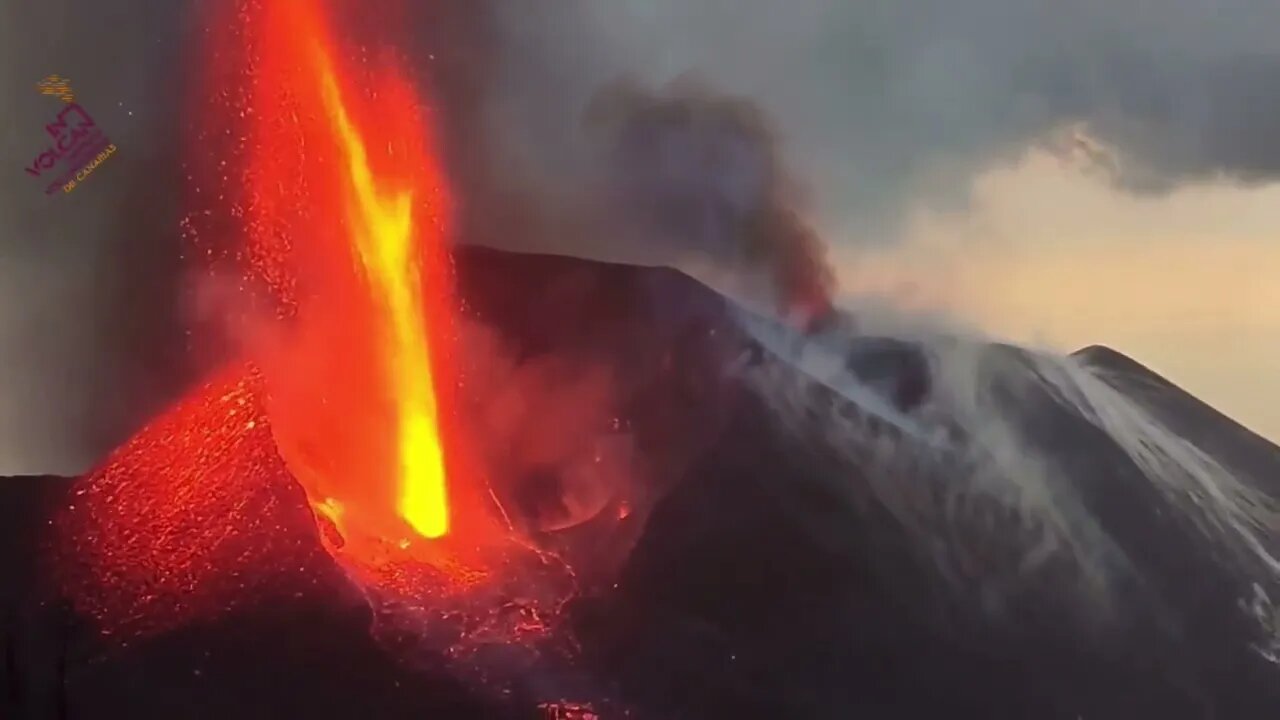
(900, 370)
(774, 604)
(755, 589)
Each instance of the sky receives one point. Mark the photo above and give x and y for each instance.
(1052, 255)
(926, 137)
(1059, 174)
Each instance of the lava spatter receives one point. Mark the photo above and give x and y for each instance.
(191, 517)
(332, 203)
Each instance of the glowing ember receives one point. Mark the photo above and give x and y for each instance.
(567, 711)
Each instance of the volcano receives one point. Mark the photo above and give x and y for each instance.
(808, 552)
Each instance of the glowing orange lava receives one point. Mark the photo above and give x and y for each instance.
(190, 518)
(346, 193)
(381, 225)
(316, 189)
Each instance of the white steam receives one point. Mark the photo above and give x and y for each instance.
(984, 499)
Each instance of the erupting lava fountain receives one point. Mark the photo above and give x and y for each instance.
(329, 207)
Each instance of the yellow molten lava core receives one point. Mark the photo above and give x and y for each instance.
(381, 227)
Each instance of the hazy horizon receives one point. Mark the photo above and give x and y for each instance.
(1050, 254)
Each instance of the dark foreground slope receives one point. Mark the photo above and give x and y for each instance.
(754, 591)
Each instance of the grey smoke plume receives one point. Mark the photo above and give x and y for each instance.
(701, 175)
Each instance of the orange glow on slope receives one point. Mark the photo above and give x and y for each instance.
(190, 518)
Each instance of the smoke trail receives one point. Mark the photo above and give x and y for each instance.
(701, 174)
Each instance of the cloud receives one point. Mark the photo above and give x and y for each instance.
(880, 104)
(1051, 256)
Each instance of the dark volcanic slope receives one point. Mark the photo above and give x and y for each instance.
(753, 592)
(1242, 449)
(773, 598)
